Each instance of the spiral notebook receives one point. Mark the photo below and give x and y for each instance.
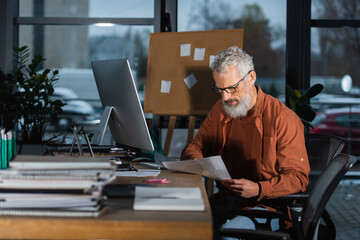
(50, 162)
(67, 212)
(168, 199)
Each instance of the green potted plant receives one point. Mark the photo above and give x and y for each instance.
(299, 102)
(9, 112)
(33, 96)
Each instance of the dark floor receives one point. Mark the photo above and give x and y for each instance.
(344, 209)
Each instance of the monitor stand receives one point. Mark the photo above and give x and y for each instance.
(77, 140)
(99, 135)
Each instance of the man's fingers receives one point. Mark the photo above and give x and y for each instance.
(237, 186)
(238, 191)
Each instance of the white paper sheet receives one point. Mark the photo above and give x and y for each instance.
(165, 86)
(199, 54)
(190, 80)
(168, 192)
(212, 167)
(168, 199)
(211, 60)
(185, 50)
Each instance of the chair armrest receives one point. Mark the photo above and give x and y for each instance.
(254, 234)
(296, 196)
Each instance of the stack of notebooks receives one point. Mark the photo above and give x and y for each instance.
(55, 186)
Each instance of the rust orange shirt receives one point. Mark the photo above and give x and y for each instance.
(267, 146)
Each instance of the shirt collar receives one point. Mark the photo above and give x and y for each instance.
(259, 105)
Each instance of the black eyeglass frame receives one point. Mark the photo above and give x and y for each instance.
(234, 87)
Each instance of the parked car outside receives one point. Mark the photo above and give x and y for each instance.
(343, 122)
(75, 112)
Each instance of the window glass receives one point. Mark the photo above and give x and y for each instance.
(74, 47)
(318, 119)
(264, 23)
(70, 49)
(339, 9)
(355, 121)
(335, 58)
(87, 8)
(345, 120)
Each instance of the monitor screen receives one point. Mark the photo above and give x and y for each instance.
(122, 107)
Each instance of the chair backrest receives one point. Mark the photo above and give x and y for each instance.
(322, 192)
(321, 149)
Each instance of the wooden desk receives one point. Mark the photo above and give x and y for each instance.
(120, 221)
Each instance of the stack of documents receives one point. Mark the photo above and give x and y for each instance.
(51, 205)
(54, 186)
(211, 167)
(168, 199)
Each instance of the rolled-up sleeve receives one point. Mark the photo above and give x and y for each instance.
(206, 139)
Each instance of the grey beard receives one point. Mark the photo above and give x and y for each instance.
(241, 109)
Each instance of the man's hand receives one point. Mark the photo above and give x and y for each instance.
(242, 187)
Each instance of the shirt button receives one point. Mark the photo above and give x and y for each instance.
(301, 159)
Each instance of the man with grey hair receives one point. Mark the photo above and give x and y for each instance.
(260, 140)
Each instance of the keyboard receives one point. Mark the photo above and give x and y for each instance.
(122, 190)
(152, 165)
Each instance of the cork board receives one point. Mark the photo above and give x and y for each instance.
(179, 78)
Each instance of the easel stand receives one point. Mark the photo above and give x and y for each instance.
(209, 183)
(170, 132)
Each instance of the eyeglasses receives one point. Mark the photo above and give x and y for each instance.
(231, 89)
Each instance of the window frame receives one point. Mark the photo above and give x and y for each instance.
(298, 41)
(298, 36)
(11, 21)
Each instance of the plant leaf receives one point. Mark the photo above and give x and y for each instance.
(297, 94)
(290, 91)
(312, 92)
(305, 111)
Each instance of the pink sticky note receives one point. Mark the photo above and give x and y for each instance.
(157, 180)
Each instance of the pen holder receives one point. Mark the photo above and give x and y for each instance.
(7, 147)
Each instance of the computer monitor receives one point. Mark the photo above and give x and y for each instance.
(122, 108)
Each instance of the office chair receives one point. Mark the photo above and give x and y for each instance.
(321, 149)
(306, 225)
